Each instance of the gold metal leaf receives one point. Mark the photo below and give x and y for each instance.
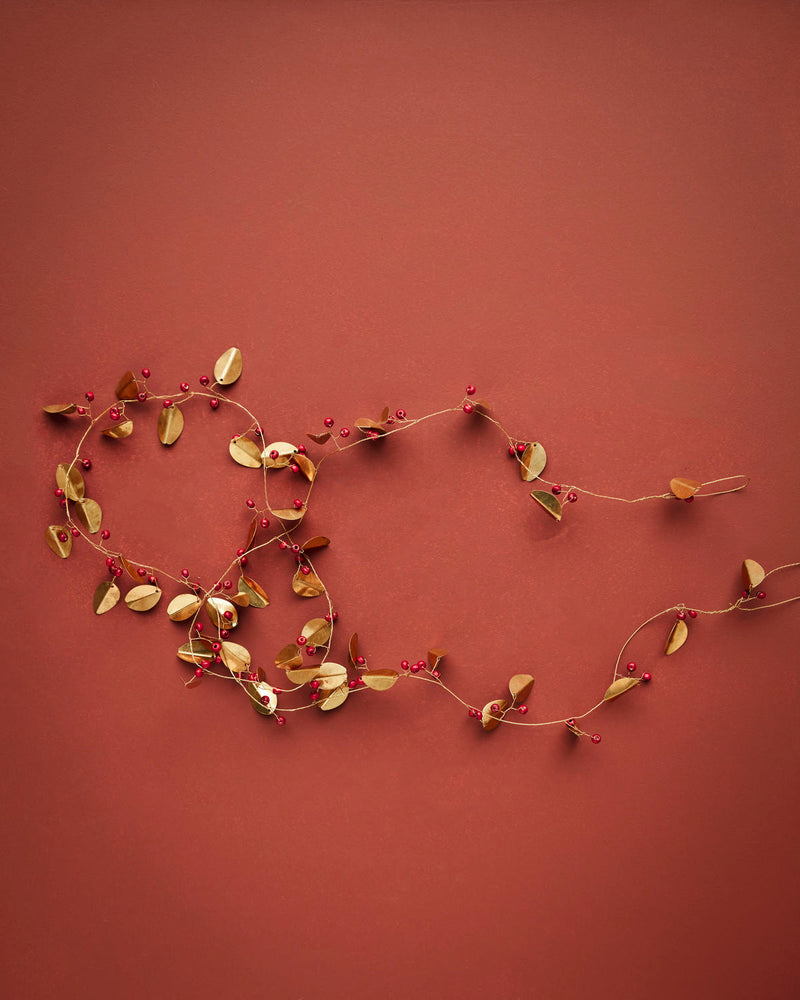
(549, 502)
(183, 606)
(119, 431)
(60, 408)
(235, 657)
(384, 415)
(317, 542)
(143, 598)
(228, 367)
(684, 488)
(334, 699)
(290, 513)
(129, 568)
(370, 427)
(246, 452)
(352, 649)
(520, 687)
(127, 387)
(70, 481)
(251, 534)
(240, 599)
(302, 675)
(60, 548)
(289, 657)
(254, 592)
(482, 406)
(331, 675)
(306, 466)
(216, 608)
(753, 574)
(89, 514)
(491, 719)
(533, 462)
(678, 635)
(620, 687)
(307, 585)
(170, 424)
(434, 655)
(316, 632)
(319, 438)
(284, 449)
(106, 597)
(380, 680)
(195, 651)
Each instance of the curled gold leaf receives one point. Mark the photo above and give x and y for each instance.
(533, 462)
(289, 657)
(89, 514)
(684, 488)
(352, 649)
(678, 635)
(490, 717)
(240, 599)
(753, 574)
(119, 431)
(228, 367)
(219, 609)
(51, 536)
(331, 675)
(384, 415)
(550, 503)
(306, 466)
(316, 632)
(183, 606)
(195, 651)
(520, 687)
(317, 542)
(369, 427)
(143, 598)
(60, 408)
(380, 680)
(129, 568)
(127, 388)
(434, 655)
(106, 597)
(620, 686)
(235, 657)
(170, 424)
(334, 699)
(70, 481)
(251, 534)
(245, 451)
(319, 438)
(307, 584)
(253, 591)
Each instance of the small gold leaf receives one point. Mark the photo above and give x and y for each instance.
(434, 655)
(684, 488)
(370, 427)
(482, 406)
(222, 613)
(251, 534)
(105, 597)
(573, 729)
(620, 687)
(119, 431)
(290, 513)
(307, 584)
(306, 466)
(549, 502)
(246, 452)
(384, 415)
(331, 675)
(319, 438)
(60, 408)
(143, 598)
(183, 606)
(753, 574)
(352, 649)
(316, 632)
(380, 680)
(89, 514)
(317, 542)
(302, 675)
(678, 635)
(228, 367)
(334, 699)
(130, 569)
(235, 657)
(289, 657)
(52, 536)
(195, 651)
(490, 717)
(170, 424)
(240, 599)
(253, 591)
(127, 387)
(520, 687)
(533, 462)
(70, 481)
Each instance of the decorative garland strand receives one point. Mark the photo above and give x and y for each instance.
(329, 684)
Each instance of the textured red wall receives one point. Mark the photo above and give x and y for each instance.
(590, 211)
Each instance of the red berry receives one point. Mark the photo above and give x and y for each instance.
(63, 502)
(59, 492)
(693, 614)
(301, 640)
(264, 522)
(745, 593)
(328, 421)
(227, 584)
(228, 616)
(689, 499)
(213, 403)
(761, 595)
(151, 579)
(113, 413)
(301, 449)
(75, 533)
(252, 677)
(198, 672)
(118, 571)
(224, 634)
(240, 552)
(435, 673)
(404, 664)
(681, 616)
(495, 707)
(167, 403)
(145, 373)
(198, 626)
(250, 503)
(62, 536)
(328, 618)
(523, 709)
(305, 570)
(521, 448)
(344, 432)
(80, 410)
(86, 463)
(204, 380)
(184, 386)
(141, 396)
(294, 467)
(314, 695)
(185, 574)
(647, 678)
(572, 497)
(400, 414)
(351, 684)
(296, 548)
(596, 738)
(468, 407)
(335, 615)
(311, 650)
(280, 720)
(360, 661)
(470, 390)
(298, 503)
(414, 668)
(631, 667)
(90, 396)
(512, 451)
(216, 647)
(105, 534)
(556, 489)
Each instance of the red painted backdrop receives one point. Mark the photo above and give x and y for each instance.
(589, 210)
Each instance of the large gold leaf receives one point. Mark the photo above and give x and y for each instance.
(170, 424)
(490, 717)
(254, 592)
(183, 606)
(302, 675)
(331, 675)
(143, 598)
(70, 481)
(245, 451)
(620, 687)
(51, 536)
(316, 631)
(106, 597)
(753, 573)
(549, 502)
(334, 699)
(60, 408)
(119, 431)
(520, 687)
(533, 462)
(127, 387)
(684, 488)
(195, 651)
(678, 635)
(380, 680)
(289, 657)
(307, 585)
(235, 657)
(89, 514)
(228, 367)
(217, 608)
